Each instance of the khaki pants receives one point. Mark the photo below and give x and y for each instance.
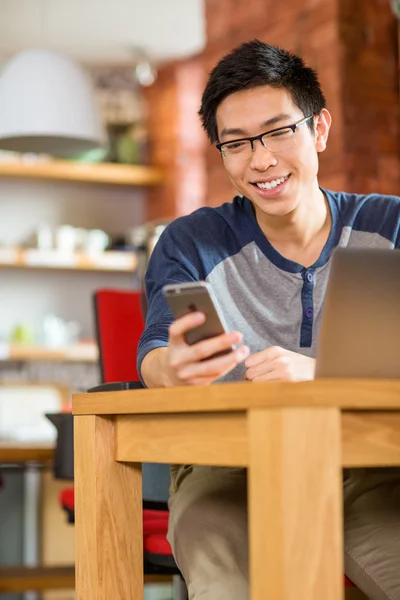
(208, 531)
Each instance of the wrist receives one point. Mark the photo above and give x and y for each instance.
(169, 378)
(155, 370)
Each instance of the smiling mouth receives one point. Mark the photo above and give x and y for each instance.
(270, 185)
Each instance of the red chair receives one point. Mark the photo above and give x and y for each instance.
(348, 583)
(119, 324)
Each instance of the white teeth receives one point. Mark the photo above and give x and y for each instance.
(269, 185)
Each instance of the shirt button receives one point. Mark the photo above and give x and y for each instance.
(310, 277)
(309, 313)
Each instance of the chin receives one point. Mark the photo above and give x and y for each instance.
(276, 207)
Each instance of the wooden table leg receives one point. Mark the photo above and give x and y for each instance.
(108, 516)
(295, 504)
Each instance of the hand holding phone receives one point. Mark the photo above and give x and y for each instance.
(186, 298)
(200, 349)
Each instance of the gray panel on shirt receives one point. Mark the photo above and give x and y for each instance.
(264, 302)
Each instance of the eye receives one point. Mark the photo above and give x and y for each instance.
(281, 133)
(235, 146)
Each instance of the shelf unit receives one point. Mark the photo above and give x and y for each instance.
(33, 258)
(109, 173)
(83, 352)
(76, 362)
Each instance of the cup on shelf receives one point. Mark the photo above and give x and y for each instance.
(58, 333)
(97, 241)
(65, 239)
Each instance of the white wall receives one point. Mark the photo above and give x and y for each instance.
(27, 295)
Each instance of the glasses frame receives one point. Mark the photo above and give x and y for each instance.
(293, 127)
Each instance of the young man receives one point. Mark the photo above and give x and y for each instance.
(267, 258)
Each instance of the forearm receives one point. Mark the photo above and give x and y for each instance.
(154, 369)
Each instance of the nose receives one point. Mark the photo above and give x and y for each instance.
(261, 157)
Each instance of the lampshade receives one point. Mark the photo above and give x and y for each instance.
(47, 106)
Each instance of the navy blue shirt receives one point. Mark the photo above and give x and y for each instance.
(273, 301)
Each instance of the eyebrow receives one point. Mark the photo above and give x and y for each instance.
(268, 123)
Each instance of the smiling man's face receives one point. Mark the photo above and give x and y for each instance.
(275, 182)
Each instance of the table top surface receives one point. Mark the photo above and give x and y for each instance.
(346, 394)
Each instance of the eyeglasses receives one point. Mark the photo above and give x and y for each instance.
(275, 140)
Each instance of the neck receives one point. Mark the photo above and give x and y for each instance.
(300, 227)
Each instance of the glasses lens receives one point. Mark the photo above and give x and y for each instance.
(279, 140)
(237, 150)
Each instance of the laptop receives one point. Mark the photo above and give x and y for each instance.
(360, 328)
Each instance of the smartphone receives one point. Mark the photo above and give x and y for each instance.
(184, 298)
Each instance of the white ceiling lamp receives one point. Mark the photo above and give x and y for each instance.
(145, 72)
(47, 106)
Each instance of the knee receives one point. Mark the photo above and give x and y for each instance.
(211, 527)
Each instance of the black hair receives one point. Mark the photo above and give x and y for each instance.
(255, 64)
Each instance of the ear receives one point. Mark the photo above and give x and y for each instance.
(322, 126)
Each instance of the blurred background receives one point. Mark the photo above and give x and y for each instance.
(83, 203)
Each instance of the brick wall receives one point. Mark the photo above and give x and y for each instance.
(370, 96)
(176, 140)
(353, 46)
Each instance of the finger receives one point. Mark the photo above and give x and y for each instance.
(207, 348)
(178, 328)
(270, 376)
(276, 364)
(184, 354)
(266, 355)
(259, 370)
(215, 367)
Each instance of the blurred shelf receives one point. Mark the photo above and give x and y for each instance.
(83, 352)
(114, 174)
(22, 579)
(33, 258)
(21, 452)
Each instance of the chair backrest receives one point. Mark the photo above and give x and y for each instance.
(119, 325)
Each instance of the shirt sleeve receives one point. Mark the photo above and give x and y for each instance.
(174, 260)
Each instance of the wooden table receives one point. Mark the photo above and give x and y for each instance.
(293, 437)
